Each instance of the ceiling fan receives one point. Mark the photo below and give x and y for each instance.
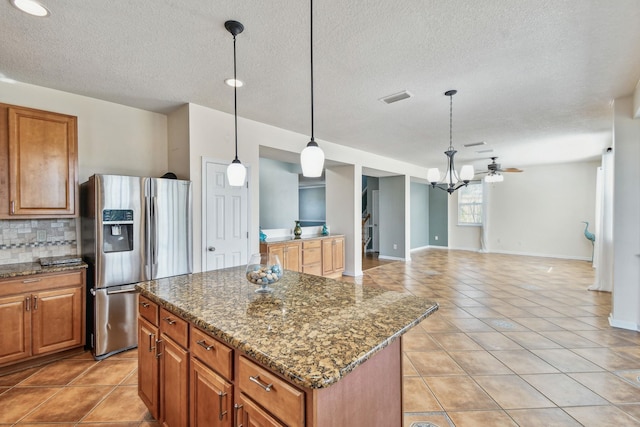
(494, 171)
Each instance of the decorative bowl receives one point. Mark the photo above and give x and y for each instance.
(264, 270)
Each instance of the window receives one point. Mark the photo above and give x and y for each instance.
(470, 204)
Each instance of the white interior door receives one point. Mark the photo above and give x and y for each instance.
(375, 219)
(224, 221)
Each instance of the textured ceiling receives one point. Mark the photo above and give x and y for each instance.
(535, 78)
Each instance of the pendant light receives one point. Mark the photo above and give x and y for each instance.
(450, 180)
(236, 172)
(312, 157)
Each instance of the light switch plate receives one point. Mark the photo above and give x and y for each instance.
(41, 235)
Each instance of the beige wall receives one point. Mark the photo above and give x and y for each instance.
(537, 212)
(112, 138)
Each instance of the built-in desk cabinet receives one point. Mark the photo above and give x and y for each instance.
(38, 163)
(321, 256)
(289, 253)
(41, 314)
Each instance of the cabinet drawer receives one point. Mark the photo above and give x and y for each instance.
(148, 310)
(311, 256)
(274, 394)
(174, 327)
(38, 282)
(310, 244)
(212, 352)
(315, 269)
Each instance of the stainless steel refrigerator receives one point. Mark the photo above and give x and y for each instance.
(133, 229)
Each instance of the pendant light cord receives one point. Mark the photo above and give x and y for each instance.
(451, 122)
(235, 95)
(311, 50)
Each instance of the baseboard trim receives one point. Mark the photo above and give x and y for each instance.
(393, 258)
(623, 324)
(534, 254)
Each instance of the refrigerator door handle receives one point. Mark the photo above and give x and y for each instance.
(154, 243)
(147, 235)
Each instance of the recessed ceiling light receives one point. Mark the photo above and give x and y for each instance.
(234, 82)
(31, 7)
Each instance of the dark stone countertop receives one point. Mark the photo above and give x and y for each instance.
(312, 330)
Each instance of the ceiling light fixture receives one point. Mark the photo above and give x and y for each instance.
(451, 177)
(236, 172)
(234, 82)
(312, 157)
(31, 7)
(494, 177)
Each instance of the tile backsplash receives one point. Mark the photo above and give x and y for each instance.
(29, 240)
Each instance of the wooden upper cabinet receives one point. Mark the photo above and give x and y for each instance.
(41, 155)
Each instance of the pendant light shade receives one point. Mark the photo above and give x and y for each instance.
(236, 172)
(312, 157)
(450, 180)
(312, 160)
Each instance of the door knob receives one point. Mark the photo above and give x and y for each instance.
(211, 249)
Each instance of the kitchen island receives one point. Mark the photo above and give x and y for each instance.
(315, 352)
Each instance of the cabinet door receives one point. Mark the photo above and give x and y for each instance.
(148, 366)
(174, 384)
(338, 254)
(327, 256)
(251, 415)
(279, 251)
(57, 317)
(15, 337)
(42, 163)
(210, 399)
(293, 257)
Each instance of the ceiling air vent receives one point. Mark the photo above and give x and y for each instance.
(390, 99)
(475, 144)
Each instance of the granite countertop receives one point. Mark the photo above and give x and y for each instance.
(280, 239)
(29, 268)
(312, 330)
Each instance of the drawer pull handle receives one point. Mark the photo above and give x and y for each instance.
(201, 343)
(28, 303)
(222, 413)
(159, 353)
(144, 304)
(256, 380)
(31, 280)
(236, 408)
(169, 320)
(151, 340)
(35, 302)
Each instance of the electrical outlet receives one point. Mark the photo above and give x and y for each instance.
(436, 237)
(395, 246)
(41, 235)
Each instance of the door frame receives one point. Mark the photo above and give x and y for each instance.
(203, 206)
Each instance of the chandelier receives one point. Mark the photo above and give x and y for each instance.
(450, 182)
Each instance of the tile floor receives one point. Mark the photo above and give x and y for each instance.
(517, 341)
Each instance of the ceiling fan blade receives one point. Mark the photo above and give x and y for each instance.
(512, 170)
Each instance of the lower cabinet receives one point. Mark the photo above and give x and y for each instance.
(41, 315)
(194, 385)
(320, 256)
(174, 383)
(251, 415)
(148, 366)
(333, 256)
(211, 395)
